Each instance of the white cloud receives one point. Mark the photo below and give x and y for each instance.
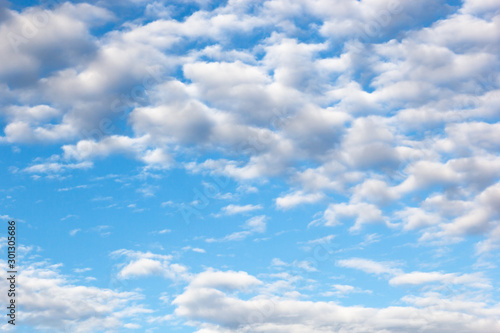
(252, 226)
(477, 216)
(256, 224)
(340, 290)
(278, 262)
(65, 189)
(56, 167)
(414, 278)
(463, 137)
(211, 308)
(305, 265)
(31, 38)
(132, 326)
(228, 280)
(85, 308)
(387, 109)
(142, 267)
(362, 212)
(146, 263)
(86, 149)
(369, 143)
(369, 266)
(415, 218)
(239, 209)
(296, 198)
(74, 232)
(322, 240)
(194, 249)
(374, 191)
(41, 43)
(398, 277)
(164, 231)
(491, 243)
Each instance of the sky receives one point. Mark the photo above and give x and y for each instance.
(270, 166)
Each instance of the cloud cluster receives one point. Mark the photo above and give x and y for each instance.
(51, 301)
(216, 308)
(384, 112)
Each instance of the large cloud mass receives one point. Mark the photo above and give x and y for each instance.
(384, 112)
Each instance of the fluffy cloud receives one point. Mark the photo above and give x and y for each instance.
(362, 212)
(228, 280)
(38, 40)
(297, 198)
(384, 112)
(146, 263)
(212, 309)
(55, 302)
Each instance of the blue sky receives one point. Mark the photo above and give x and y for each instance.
(252, 166)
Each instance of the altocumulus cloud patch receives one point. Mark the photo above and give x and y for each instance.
(252, 166)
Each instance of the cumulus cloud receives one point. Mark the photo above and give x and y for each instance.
(228, 280)
(297, 198)
(362, 212)
(56, 302)
(475, 216)
(386, 113)
(142, 264)
(212, 309)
